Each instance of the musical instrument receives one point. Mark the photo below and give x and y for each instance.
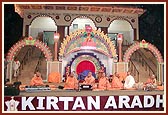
(85, 87)
(37, 88)
(150, 87)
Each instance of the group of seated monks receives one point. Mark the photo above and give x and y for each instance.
(103, 81)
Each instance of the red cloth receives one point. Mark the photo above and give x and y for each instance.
(85, 65)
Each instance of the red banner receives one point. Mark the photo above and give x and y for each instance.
(85, 103)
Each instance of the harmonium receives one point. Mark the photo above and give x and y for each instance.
(37, 88)
(85, 87)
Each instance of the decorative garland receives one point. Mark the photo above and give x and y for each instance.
(142, 44)
(32, 42)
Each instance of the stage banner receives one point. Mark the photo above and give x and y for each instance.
(85, 103)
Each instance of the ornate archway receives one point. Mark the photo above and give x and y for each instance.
(143, 44)
(86, 57)
(87, 41)
(84, 62)
(77, 22)
(41, 15)
(32, 42)
(78, 41)
(123, 18)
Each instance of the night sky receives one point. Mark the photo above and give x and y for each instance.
(151, 25)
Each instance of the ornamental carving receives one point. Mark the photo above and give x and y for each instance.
(76, 41)
(29, 42)
(142, 44)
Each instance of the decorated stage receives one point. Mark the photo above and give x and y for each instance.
(90, 50)
(61, 100)
(114, 92)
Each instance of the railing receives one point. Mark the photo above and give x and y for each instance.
(144, 63)
(5, 72)
(39, 62)
(134, 70)
(147, 58)
(25, 59)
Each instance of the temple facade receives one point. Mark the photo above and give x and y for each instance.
(112, 19)
(91, 37)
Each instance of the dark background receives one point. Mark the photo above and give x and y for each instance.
(151, 25)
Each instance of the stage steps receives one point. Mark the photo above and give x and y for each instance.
(149, 58)
(43, 67)
(20, 54)
(143, 74)
(28, 71)
(144, 69)
(148, 61)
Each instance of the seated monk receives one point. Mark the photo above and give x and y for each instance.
(104, 82)
(36, 80)
(116, 83)
(151, 80)
(99, 74)
(71, 82)
(54, 77)
(89, 79)
(129, 81)
(151, 83)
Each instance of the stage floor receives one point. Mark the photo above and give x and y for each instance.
(61, 92)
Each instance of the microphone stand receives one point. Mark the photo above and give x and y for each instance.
(78, 86)
(106, 82)
(123, 84)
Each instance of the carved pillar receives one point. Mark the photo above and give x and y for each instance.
(135, 34)
(27, 30)
(61, 31)
(120, 40)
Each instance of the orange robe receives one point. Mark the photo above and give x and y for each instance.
(104, 83)
(89, 80)
(116, 83)
(36, 81)
(71, 83)
(54, 77)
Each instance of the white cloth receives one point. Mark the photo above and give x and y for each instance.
(16, 66)
(129, 82)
